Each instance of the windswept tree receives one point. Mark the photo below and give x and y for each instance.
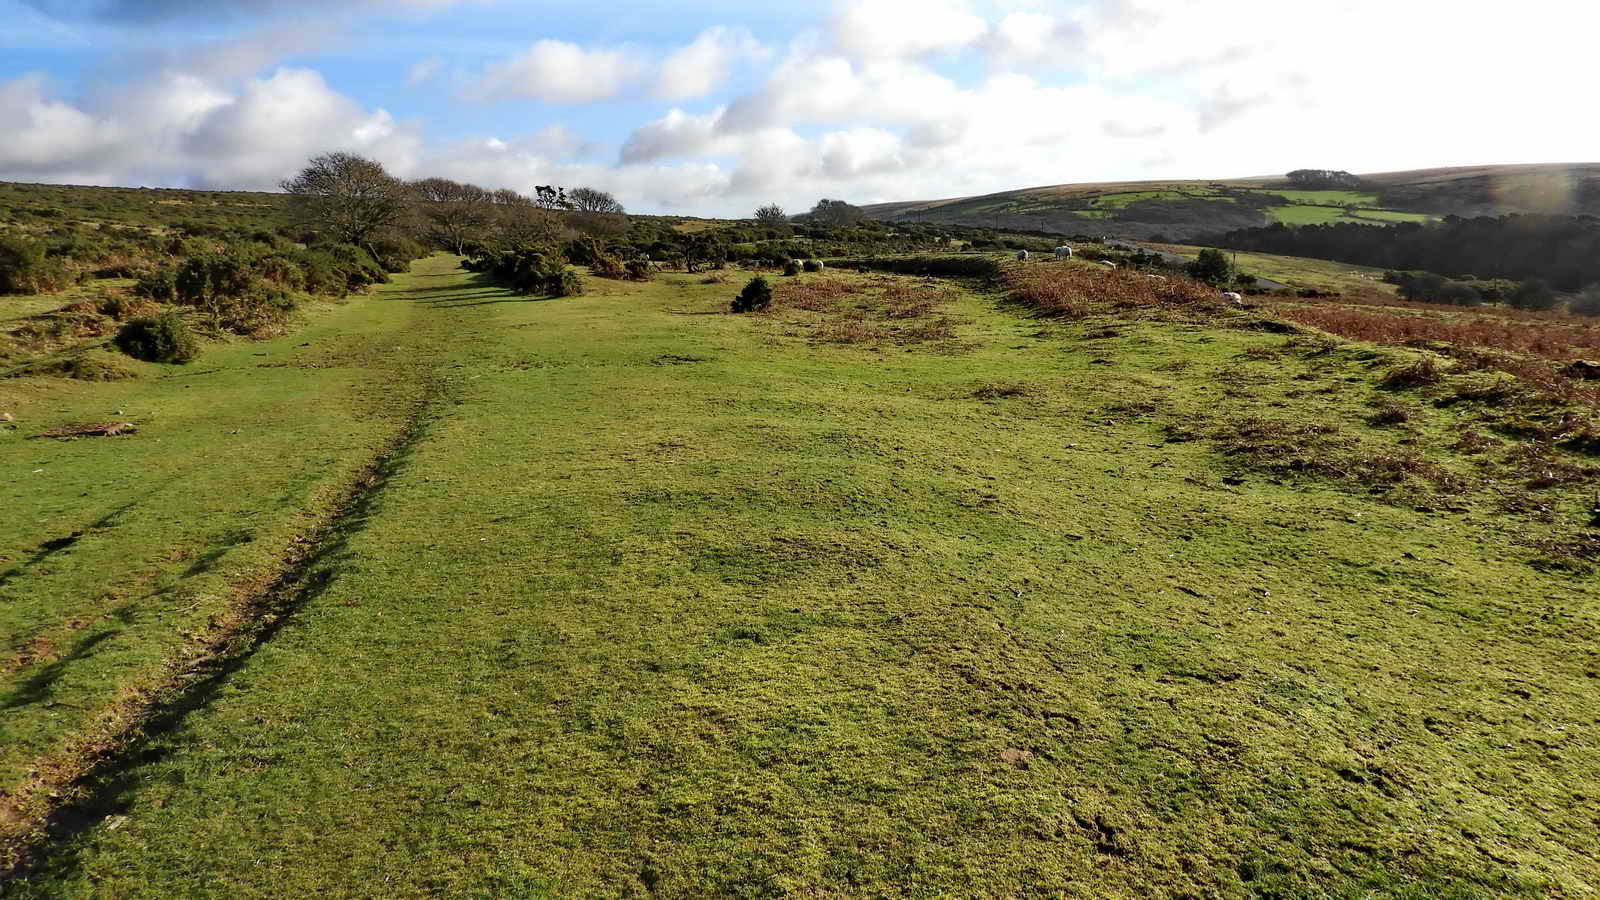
(772, 214)
(548, 196)
(836, 212)
(596, 213)
(589, 200)
(349, 196)
(453, 213)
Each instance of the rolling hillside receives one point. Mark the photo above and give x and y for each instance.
(1187, 209)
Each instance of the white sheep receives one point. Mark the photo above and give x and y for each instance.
(1022, 256)
(1063, 252)
(820, 264)
(1108, 263)
(1157, 277)
(1236, 298)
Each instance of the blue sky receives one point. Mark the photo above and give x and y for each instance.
(712, 108)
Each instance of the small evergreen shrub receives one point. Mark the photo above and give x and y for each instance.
(640, 270)
(160, 285)
(26, 268)
(164, 338)
(812, 265)
(756, 296)
(791, 268)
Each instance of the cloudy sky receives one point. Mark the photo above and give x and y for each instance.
(712, 107)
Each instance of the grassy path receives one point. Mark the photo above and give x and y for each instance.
(655, 600)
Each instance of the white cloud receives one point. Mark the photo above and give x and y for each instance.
(422, 71)
(675, 134)
(42, 132)
(565, 73)
(704, 65)
(561, 72)
(182, 130)
(889, 29)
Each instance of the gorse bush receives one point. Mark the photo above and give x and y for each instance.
(164, 339)
(640, 270)
(395, 253)
(791, 268)
(160, 285)
(812, 265)
(528, 270)
(26, 268)
(756, 296)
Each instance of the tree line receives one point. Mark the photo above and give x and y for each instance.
(1563, 251)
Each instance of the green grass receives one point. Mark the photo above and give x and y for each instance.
(661, 600)
(1326, 198)
(1301, 272)
(1307, 215)
(1392, 215)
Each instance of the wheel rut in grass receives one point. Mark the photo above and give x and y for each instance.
(75, 787)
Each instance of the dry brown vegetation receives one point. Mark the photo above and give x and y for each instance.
(881, 309)
(1074, 291)
(1551, 338)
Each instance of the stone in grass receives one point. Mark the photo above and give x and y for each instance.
(1016, 757)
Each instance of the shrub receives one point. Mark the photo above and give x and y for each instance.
(566, 284)
(25, 268)
(160, 285)
(640, 270)
(1211, 267)
(942, 266)
(791, 268)
(756, 296)
(812, 265)
(164, 338)
(395, 253)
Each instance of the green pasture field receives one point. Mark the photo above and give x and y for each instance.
(1301, 272)
(1124, 200)
(1325, 198)
(653, 599)
(1392, 215)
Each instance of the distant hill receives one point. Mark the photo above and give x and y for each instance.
(1188, 209)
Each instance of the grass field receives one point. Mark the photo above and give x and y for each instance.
(645, 598)
(1299, 272)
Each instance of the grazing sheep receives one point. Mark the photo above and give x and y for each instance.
(1236, 298)
(1108, 263)
(1157, 277)
(1022, 256)
(1063, 252)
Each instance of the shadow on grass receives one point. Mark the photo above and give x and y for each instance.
(50, 548)
(110, 786)
(37, 687)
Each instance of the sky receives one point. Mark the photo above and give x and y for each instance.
(714, 108)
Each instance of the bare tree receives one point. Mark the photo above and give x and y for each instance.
(453, 213)
(589, 200)
(772, 214)
(348, 195)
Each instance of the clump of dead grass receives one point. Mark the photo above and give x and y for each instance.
(1076, 291)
